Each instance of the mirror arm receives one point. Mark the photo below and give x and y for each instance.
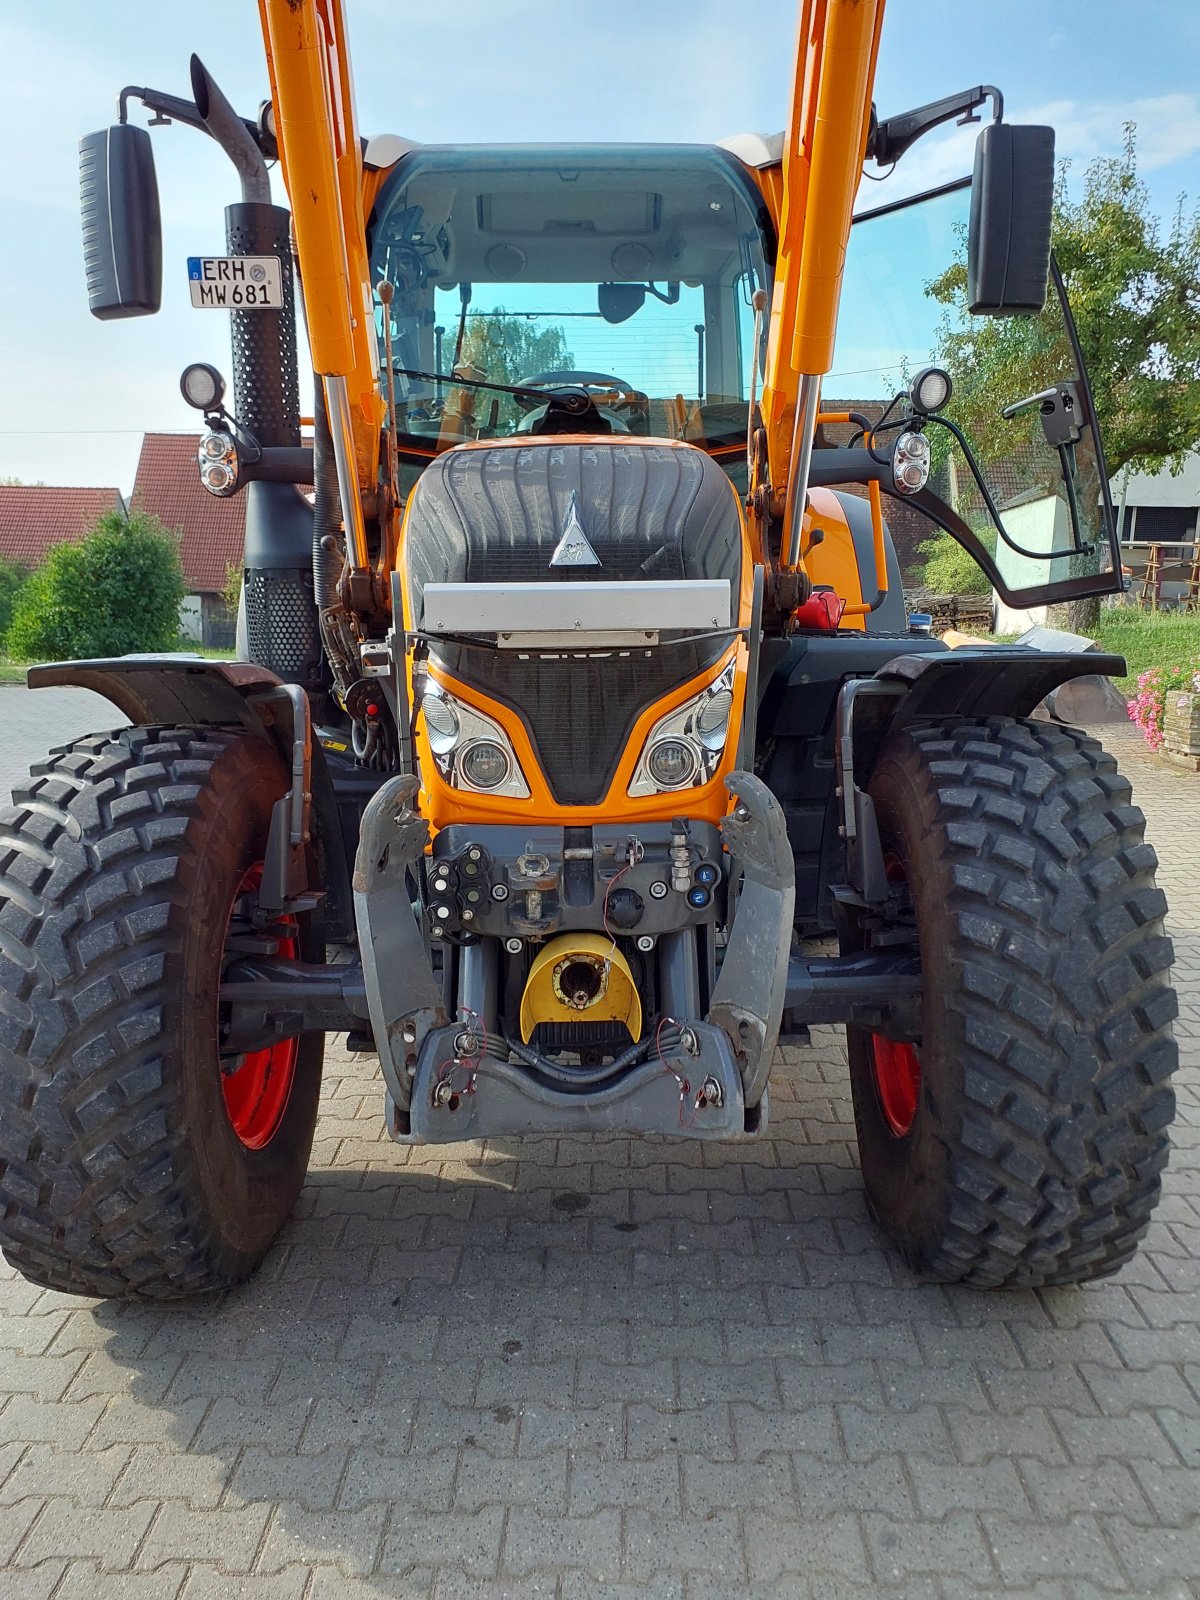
(168, 108)
(892, 137)
(993, 510)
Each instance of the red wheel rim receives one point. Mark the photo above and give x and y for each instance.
(897, 1064)
(259, 1083)
(897, 1081)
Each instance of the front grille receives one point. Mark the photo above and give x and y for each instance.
(580, 712)
(654, 511)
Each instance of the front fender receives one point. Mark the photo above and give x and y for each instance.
(196, 692)
(985, 681)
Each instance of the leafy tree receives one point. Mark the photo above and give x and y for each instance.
(231, 589)
(507, 348)
(115, 592)
(511, 347)
(12, 576)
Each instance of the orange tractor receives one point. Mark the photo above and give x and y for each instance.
(580, 696)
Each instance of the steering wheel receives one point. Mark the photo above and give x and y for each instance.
(567, 378)
(631, 402)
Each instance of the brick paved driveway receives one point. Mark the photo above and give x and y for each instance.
(570, 1368)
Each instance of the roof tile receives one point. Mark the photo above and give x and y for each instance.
(212, 530)
(35, 516)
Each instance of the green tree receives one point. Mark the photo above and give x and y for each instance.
(507, 348)
(115, 592)
(12, 577)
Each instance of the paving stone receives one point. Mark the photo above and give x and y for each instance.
(156, 1472)
(466, 1539)
(108, 1537)
(307, 1480)
(63, 1423)
(329, 1583)
(662, 1542)
(127, 1421)
(551, 1428)
(86, 1477)
(823, 1487)
(597, 1483)
(952, 1545)
(592, 1543)
(527, 1481)
(210, 1583)
(831, 1546)
(871, 1433)
(349, 1540)
(1073, 1548)
(87, 1580)
(227, 1537)
(16, 1523)
(34, 1583)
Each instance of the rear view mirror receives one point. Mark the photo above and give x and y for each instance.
(1012, 201)
(122, 228)
(619, 301)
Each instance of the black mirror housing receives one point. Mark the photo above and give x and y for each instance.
(618, 302)
(122, 226)
(1012, 203)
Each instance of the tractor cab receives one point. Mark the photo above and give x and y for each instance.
(623, 273)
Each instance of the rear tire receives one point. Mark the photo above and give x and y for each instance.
(1035, 1152)
(121, 1172)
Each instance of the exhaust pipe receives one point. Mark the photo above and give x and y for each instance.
(231, 133)
(282, 628)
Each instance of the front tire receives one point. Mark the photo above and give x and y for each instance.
(129, 1163)
(1022, 1141)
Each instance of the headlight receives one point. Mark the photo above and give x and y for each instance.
(441, 724)
(684, 748)
(671, 763)
(910, 463)
(218, 458)
(471, 751)
(484, 764)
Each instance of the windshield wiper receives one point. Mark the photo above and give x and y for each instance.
(540, 395)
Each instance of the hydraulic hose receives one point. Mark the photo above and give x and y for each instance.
(326, 562)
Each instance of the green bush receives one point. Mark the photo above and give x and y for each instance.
(115, 592)
(12, 576)
(949, 569)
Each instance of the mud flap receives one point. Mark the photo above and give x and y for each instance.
(748, 999)
(404, 1000)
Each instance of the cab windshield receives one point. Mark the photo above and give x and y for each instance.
(622, 270)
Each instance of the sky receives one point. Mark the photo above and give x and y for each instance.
(77, 394)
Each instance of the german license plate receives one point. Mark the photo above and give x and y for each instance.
(235, 283)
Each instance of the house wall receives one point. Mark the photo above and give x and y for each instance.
(191, 618)
(206, 620)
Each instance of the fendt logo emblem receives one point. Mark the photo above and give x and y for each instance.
(573, 549)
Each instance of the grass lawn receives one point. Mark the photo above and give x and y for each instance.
(11, 671)
(1148, 639)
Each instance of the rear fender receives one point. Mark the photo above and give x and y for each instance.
(192, 691)
(973, 682)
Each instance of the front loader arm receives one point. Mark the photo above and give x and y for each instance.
(824, 148)
(321, 156)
